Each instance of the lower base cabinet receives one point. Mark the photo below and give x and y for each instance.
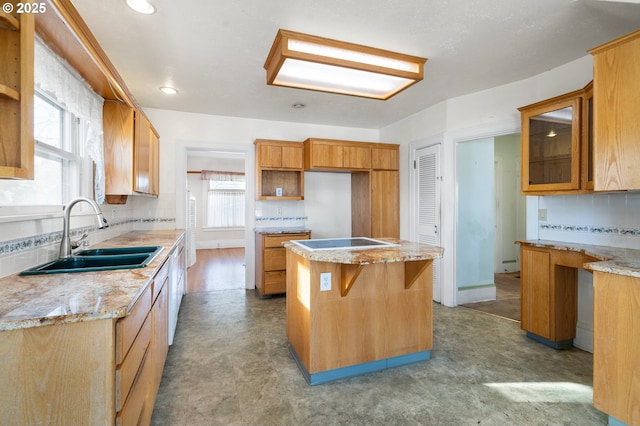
(271, 264)
(98, 372)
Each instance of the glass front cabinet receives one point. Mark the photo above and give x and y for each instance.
(555, 145)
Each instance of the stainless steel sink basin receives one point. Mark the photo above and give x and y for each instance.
(107, 259)
(113, 251)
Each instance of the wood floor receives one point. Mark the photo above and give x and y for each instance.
(217, 269)
(507, 303)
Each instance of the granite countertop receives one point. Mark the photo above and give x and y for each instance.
(613, 260)
(405, 252)
(281, 230)
(37, 300)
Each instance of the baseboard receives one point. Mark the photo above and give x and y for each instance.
(476, 294)
(214, 244)
(584, 337)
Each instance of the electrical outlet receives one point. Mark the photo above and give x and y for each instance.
(279, 211)
(325, 281)
(278, 192)
(542, 214)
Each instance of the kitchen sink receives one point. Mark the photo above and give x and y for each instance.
(107, 259)
(115, 251)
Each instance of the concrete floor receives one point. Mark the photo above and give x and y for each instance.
(230, 365)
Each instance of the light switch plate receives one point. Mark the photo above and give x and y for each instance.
(325, 281)
(542, 214)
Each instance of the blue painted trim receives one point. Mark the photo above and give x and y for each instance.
(356, 370)
(615, 422)
(563, 344)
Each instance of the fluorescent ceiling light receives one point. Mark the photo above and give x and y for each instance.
(309, 62)
(141, 6)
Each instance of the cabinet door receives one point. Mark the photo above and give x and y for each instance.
(357, 157)
(535, 292)
(292, 157)
(385, 202)
(118, 128)
(270, 156)
(154, 166)
(616, 109)
(142, 155)
(551, 144)
(384, 158)
(326, 154)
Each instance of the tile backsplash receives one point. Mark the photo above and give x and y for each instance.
(287, 214)
(611, 219)
(27, 243)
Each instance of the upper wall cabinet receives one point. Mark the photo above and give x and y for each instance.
(279, 172)
(336, 155)
(131, 148)
(616, 113)
(16, 95)
(556, 148)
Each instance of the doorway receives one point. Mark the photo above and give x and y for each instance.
(216, 182)
(490, 217)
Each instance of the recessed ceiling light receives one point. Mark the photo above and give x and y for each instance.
(298, 105)
(168, 90)
(141, 6)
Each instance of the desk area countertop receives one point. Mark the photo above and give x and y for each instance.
(613, 260)
(38, 300)
(405, 251)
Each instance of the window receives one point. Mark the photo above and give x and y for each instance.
(68, 142)
(57, 162)
(225, 200)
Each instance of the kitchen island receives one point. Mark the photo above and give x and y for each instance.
(373, 311)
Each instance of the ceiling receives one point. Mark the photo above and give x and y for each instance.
(213, 51)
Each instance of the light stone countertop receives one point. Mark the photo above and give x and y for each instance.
(38, 300)
(613, 260)
(405, 252)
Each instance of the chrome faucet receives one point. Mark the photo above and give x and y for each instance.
(65, 245)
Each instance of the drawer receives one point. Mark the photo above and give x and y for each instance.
(134, 407)
(128, 370)
(127, 328)
(277, 240)
(275, 259)
(275, 282)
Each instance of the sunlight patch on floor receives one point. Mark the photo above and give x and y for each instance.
(545, 392)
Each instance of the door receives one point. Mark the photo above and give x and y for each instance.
(427, 196)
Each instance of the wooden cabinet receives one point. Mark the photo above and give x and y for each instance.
(384, 157)
(556, 138)
(616, 346)
(16, 95)
(549, 294)
(336, 155)
(616, 85)
(375, 197)
(279, 170)
(141, 350)
(131, 147)
(271, 261)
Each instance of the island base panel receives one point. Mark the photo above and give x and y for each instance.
(379, 319)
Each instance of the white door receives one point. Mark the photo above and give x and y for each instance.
(427, 196)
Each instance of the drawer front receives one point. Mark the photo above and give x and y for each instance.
(134, 407)
(275, 282)
(128, 370)
(277, 240)
(127, 328)
(275, 259)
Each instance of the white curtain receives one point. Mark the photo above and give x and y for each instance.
(226, 199)
(70, 90)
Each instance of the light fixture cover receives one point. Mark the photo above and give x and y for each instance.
(141, 6)
(316, 63)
